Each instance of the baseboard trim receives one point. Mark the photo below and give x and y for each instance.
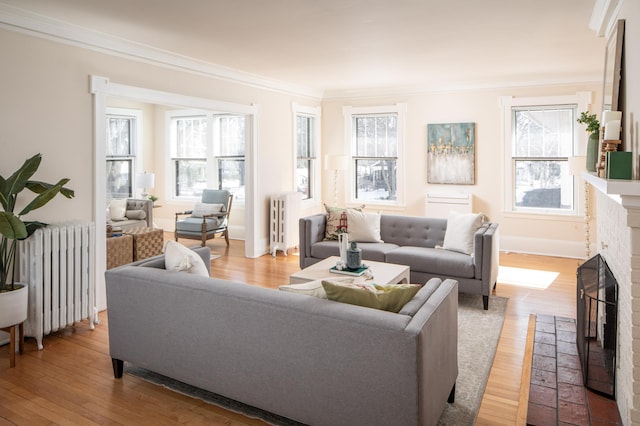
(545, 247)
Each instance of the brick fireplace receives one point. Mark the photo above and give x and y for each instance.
(617, 205)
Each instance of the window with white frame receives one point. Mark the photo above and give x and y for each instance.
(230, 144)
(207, 151)
(306, 131)
(188, 137)
(121, 148)
(376, 140)
(542, 140)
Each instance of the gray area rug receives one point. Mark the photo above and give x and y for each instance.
(478, 334)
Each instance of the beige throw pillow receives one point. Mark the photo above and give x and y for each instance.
(461, 228)
(203, 209)
(118, 209)
(179, 258)
(364, 227)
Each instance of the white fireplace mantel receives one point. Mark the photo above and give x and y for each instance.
(625, 192)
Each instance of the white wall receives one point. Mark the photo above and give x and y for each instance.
(46, 107)
(552, 235)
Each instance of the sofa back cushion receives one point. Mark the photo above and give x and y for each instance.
(416, 231)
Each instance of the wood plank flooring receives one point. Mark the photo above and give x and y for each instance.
(71, 380)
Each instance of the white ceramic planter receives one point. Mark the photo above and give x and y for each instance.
(13, 306)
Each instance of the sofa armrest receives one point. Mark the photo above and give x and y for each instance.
(145, 205)
(311, 230)
(486, 255)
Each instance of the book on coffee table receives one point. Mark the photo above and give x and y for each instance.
(347, 271)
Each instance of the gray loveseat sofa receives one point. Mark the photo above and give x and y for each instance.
(412, 241)
(139, 214)
(312, 360)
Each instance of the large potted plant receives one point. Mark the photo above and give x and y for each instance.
(593, 128)
(14, 296)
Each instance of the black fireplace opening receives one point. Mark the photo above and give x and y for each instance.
(597, 325)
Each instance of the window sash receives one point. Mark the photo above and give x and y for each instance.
(305, 155)
(543, 139)
(376, 178)
(543, 184)
(190, 176)
(189, 139)
(375, 139)
(231, 175)
(119, 177)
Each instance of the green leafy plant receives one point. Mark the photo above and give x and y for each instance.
(12, 227)
(153, 198)
(591, 120)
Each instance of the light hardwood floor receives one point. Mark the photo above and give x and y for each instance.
(71, 380)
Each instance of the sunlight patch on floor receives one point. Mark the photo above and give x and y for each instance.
(530, 278)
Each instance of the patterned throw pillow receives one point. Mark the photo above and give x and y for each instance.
(337, 221)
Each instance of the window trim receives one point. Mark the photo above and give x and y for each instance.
(213, 124)
(136, 146)
(581, 101)
(316, 114)
(349, 112)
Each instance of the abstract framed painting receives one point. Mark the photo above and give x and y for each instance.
(451, 153)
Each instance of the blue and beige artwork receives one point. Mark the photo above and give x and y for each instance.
(451, 153)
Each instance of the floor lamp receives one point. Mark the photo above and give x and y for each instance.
(336, 163)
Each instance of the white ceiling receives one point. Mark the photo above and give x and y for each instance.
(358, 45)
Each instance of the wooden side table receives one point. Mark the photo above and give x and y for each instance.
(147, 242)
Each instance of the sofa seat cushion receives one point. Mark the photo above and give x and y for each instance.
(434, 261)
(194, 224)
(370, 251)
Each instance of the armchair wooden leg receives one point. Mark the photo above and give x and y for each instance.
(226, 236)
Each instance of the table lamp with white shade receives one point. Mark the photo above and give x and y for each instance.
(145, 181)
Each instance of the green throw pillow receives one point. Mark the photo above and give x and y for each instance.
(386, 297)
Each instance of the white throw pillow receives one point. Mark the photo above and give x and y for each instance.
(363, 227)
(203, 209)
(311, 288)
(179, 258)
(118, 209)
(461, 228)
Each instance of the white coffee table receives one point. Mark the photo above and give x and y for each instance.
(383, 273)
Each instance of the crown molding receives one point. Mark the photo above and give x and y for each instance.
(22, 21)
(337, 95)
(604, 15)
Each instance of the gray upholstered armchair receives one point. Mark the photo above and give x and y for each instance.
(208, 218)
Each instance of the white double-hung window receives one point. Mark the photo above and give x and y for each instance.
(377, 139)
(123, 126)
(189, 152)
(541, 139)
(307, 135)
(207, 151)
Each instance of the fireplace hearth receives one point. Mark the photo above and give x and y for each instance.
(597, 325)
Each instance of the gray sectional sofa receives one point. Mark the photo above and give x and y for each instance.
(413, 241)
(312, 360)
